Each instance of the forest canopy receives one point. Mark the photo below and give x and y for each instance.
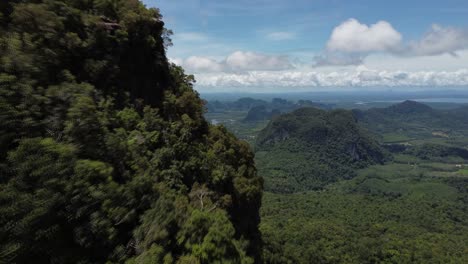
(310, 148)
(104, 152)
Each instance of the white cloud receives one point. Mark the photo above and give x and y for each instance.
(358, 77)
(245, 61)
(277, 36)
(351, 42)
(353, 37)
(202, 64)
(439, 40)
(238, 61)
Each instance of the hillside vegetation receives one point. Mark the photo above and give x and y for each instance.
(105, 156)
(394, 213)
(309, 148)
(411, 209)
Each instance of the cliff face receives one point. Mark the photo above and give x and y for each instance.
(324, 146)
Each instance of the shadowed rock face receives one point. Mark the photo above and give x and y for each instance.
(258, 113)
(352, 150)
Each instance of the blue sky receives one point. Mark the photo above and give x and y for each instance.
(309, 45)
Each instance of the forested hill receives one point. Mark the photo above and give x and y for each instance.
(105, 156)
(247, 104)
(309, 148)
(414, 118)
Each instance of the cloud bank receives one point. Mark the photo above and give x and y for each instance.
(382, 56)
(238, 61)
(359, 77)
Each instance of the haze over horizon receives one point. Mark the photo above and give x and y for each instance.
(278, 46)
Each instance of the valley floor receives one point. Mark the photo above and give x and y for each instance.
(395, 213)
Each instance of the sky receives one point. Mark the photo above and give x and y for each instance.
(311, 45)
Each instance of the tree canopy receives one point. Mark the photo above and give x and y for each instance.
(310, 148)
(104, 152)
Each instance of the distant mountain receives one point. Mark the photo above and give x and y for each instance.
(260, 113)
(409, 107)
(242, 104)
(406, 110)
(247, 104)
(413, 119)
(309, 148)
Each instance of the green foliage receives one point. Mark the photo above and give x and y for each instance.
(394, 213)
(104, 152)
(434, 151)
(412, 121)
(310, 148)
(410, 210)
(209, 236)
(32, 201)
